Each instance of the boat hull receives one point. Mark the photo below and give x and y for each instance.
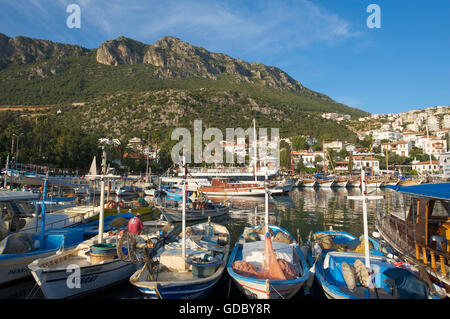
(55, 283)
(175, 215)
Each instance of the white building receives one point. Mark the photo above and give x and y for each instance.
(392, 136)
(433, 123)
(334, 145)
(368, 162)
(432, 145)
(425, 167)
(446, 121)
(401, 148)
(444, 163)
(412, 136)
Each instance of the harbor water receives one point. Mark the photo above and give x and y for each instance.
(301, 212)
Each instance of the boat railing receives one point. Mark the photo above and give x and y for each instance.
(394, 229)
(434, 258)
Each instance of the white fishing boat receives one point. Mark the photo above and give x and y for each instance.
(265, 266)
(18, 249)
(99, 267)
(97, 263)
(189, 268)
(192, 277)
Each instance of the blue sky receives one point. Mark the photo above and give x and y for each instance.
(324, 44)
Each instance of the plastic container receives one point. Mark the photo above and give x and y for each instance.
(202, 268)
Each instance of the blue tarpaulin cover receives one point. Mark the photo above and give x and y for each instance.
(438, 190)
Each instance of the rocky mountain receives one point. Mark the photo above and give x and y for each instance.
(177, 59)
(23, 50)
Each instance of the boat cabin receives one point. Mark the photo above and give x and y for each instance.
(422, 234)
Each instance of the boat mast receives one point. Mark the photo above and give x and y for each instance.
(6, 171)
(255, 145)
(266, 204)
(364, 199)
(183, 214)
(102, 197)
(44, 198)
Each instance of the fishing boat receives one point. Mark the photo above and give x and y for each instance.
(325, 182)
(100, 265)
(421, 234)
(246, 265)
(15, 207)
(306, 182)
(198, 211)
(354, 182)
(346, 272)
(125, 191)
(266, 261)
(223, 187)
(192, 276)
(19, 249)
(341, 182)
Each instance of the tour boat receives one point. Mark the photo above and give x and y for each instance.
(421, 235)
(223, 187)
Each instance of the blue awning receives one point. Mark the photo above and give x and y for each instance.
(437, 191)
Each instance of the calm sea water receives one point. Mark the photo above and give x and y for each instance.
(301, 212)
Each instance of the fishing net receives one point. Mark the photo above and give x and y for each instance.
(271, 268)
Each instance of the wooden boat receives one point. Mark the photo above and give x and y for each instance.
(375, 183)
(340, 270)
(255, 286)
(174, 214)
(308, 183)
(421, 235)
(410, 182)
(342, 182)
(174, 277)
(100, 265)
(354, 182)
(325, 182)
(223, 187)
